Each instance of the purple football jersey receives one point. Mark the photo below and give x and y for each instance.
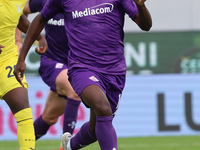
(95, 32)
(54, 33)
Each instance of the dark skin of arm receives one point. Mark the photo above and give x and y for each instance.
(143, 18)
(23, 26)
(23, 23)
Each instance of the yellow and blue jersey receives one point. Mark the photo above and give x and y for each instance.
(10, 12)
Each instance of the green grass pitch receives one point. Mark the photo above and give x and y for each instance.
(133, 143)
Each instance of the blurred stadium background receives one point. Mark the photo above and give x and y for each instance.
(162, 93)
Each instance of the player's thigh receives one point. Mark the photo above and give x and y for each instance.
(63, 85)
(54, 107)
(17, 99)
(89, 85)
(11, 91)
(8, 81)
(95, 98)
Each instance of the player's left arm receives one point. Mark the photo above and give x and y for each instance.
(143, 17)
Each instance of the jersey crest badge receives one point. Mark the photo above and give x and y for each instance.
(59, 65)
(18, 8)
(93, 78)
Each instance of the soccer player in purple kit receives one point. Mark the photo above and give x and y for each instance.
(96, 59)
(53, 70)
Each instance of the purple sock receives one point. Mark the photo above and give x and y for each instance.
(105, 133)
(41, 127)
(70, 115)
(82, 138)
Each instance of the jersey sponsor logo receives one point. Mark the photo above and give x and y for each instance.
(18, 8)
(95, 10)
(59, 65)
(93, 78)
(56, 22)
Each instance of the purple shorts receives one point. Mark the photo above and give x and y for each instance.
(112, 85)
(49, 70)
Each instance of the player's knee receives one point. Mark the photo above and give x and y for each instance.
(73, 95)
(103, 111)
(68, 92)
(60, 90)
(50, 120)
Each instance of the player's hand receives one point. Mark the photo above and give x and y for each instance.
(42, 46)
(41, 50)
(1, 49)
(19, 71)
(139, 2)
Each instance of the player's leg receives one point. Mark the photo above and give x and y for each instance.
(17, 100)
(96, 99)
(54, 108)
(103, 129)
(86, 134)
(92, 87)
(63, 87)
(57, 79)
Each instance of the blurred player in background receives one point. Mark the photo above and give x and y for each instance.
(11, 91)
(53, 70)
(97, 65)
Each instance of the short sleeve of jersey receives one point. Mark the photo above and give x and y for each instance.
(51, 8)
(130, 8)
(36, 5)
